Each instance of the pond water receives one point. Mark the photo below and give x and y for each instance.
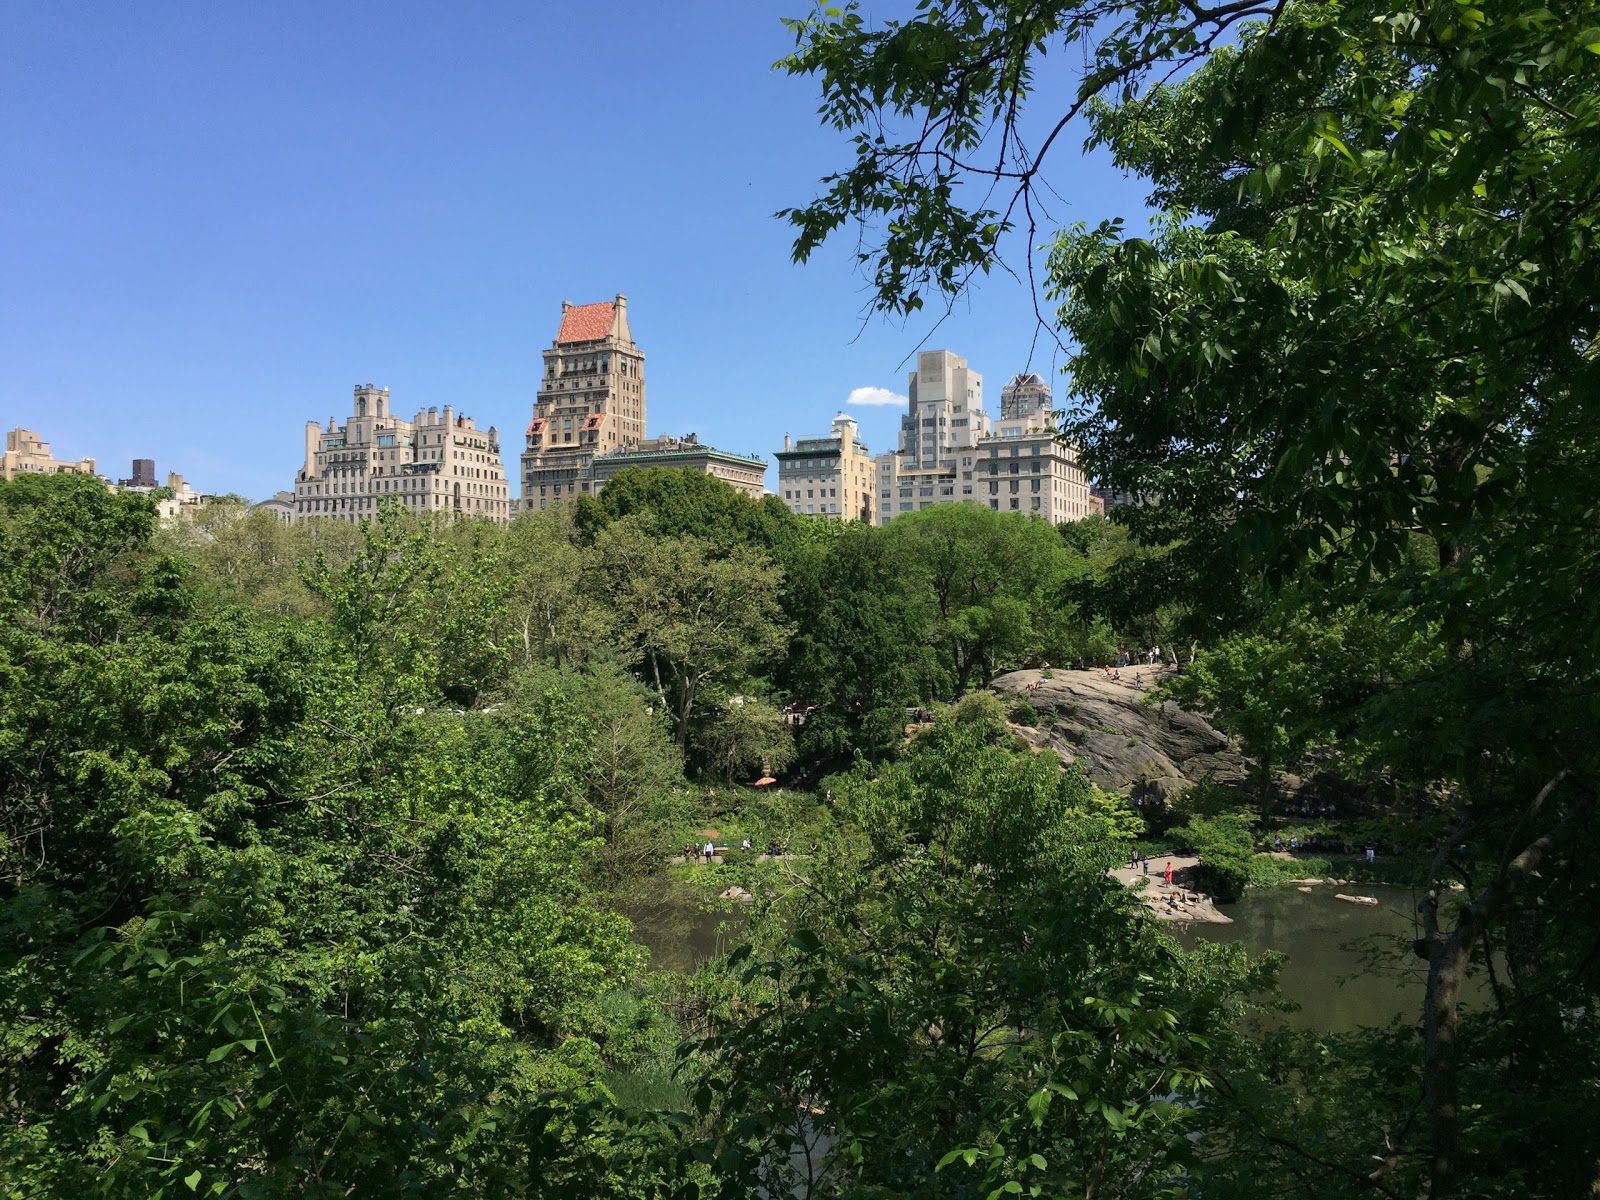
(1348, 964)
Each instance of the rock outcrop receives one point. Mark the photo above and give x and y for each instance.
(1122, 743)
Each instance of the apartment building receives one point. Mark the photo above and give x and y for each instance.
(590, 402)
(27, 454)
(1024, 466)
(829, 476)
(743, 473)
(437, 462)
(939, 435)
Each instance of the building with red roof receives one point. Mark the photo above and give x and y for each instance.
(590, 402)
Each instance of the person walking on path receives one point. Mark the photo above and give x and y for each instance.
(1169, 872)
(1372, 850)
(709, 851)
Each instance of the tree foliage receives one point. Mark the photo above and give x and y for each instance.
(1365, 318)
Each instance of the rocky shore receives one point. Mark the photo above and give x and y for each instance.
(1176, 901)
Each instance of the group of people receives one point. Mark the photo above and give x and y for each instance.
(1321, 845)
(1136, 859)
(709, 850)
(1115, 675)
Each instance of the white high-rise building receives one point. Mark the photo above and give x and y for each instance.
(950, 452)
(938, 438)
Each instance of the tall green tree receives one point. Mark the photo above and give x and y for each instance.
(551, 609)
(860, 653)
(262, 932)
(987, 574)
(693, 616)
(632, 776)
(681, 501)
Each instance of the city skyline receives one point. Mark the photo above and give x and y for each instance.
(218, 218)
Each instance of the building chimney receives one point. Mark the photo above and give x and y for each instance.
(787, 444)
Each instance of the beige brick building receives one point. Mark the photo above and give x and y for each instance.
(747, 475)
(438, 462)
(591, 402)
(1024, 466)
(27, 454)
(951, 452)
(830, 477)
(938, 438)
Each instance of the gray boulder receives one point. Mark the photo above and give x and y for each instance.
(1119, 741)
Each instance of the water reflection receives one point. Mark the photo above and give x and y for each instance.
(1348, 965)
(681, 933)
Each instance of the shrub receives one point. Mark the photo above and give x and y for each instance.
(983, 709)
(1023, 713)
(1226, 847)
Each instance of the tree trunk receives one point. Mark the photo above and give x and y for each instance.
(1448, 958)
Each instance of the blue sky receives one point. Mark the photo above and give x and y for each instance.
(215, 220)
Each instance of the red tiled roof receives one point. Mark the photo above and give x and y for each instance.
(536, 425)
(587, 322)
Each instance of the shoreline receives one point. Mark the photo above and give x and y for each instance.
(1177, 902)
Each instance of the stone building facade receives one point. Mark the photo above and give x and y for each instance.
(27, 454)
(280, 507)
(747, 475)
(938, 438)
(830, 477)
(437, 462)
(1024, 466)
(591, 402)
(951, 452)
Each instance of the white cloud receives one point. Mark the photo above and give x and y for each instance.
(875, 397)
